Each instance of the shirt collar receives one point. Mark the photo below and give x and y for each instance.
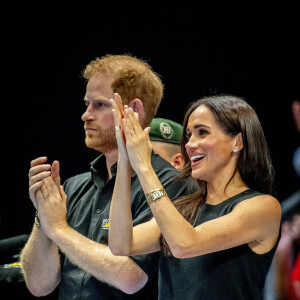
(99, 170)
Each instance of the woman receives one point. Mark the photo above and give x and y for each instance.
(227, 232)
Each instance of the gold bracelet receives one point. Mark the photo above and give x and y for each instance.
(37, 219)
(155, 194)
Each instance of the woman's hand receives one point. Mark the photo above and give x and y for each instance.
(118, 113)
(138, 143)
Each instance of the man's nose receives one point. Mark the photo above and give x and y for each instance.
(88, 114)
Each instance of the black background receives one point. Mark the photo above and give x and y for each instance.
(42, 92)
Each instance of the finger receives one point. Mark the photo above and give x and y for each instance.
(119, 103)
(51, 186)
(38, 161)
(38, 177)
(136, 115)
(55, 173)
(116, 113)
(134, 122)
(147, 130)
(62, 193)
(127, 126)
(44, 190)
(39, 168)
(39, 198)
(114, 104)
(33, 190)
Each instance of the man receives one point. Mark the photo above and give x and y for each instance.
(165, 136)
(68, 244)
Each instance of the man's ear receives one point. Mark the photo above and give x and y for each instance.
(177, 161)
(138, 107)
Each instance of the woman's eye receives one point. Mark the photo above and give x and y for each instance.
(202, 132)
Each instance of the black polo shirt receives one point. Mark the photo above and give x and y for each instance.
(89, 198)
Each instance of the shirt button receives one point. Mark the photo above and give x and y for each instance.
(98, 211)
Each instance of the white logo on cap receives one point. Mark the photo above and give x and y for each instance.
(166, 130)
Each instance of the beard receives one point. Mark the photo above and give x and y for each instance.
(103, 140)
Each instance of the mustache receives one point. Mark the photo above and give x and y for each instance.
(101, 130)
(90, 125)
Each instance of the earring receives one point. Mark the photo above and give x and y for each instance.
(235, 150)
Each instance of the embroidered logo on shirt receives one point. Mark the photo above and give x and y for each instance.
(105, 224)
(13, 265)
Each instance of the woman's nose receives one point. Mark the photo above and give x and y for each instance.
(191, 144)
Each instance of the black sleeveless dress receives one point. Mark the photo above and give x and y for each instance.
(235, 274)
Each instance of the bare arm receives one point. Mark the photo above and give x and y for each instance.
(40, 257)
(41, 249)
(40, 263)
(91, 256)
(97, 259)
(255, 221)
(121, 240)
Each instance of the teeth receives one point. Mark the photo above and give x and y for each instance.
(197, 156)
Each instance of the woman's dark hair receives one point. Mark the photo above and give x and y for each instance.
(234, 115)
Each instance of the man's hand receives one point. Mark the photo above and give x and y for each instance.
(51, 201)
(38, 171)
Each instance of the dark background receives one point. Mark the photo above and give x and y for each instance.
(42, 92)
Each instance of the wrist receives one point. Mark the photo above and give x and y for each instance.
(155, 194)
(124, 166)
(58, 232)
(144, 170)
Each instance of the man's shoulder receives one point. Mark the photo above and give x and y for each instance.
(78, 180)
(159, 164)
(170, 176)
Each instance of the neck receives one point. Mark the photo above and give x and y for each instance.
(220, 190)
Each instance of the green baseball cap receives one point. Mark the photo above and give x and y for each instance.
(164, 130)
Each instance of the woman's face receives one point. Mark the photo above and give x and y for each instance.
(210, 150)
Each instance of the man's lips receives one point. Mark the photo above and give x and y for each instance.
(90, 130)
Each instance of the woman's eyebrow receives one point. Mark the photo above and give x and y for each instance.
(199, 126)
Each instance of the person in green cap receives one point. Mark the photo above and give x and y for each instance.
(165, 136)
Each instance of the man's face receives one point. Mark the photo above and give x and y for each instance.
(98, 117)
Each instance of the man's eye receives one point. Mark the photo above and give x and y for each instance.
(99, 105)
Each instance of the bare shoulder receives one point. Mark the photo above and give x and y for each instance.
(262, 216)
(264, 203)
(268, 203)
(263, 211)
